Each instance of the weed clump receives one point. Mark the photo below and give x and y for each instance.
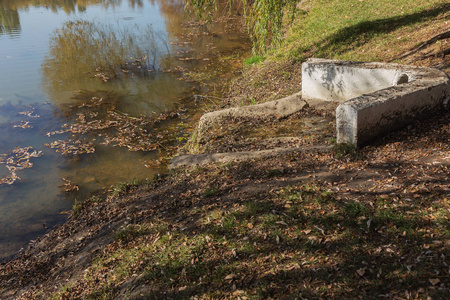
(348, 151)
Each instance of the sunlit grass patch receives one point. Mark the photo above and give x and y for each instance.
(124, 187)
(359, 30)
(256, 59)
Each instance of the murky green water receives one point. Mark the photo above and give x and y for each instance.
(97, 75)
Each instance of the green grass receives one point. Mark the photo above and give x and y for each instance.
(358, 30)
(124, 187)
(211, 191)
(256, 59)
(133, 231)
(346, 151)
(269, 242)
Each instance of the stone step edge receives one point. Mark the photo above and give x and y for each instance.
(224, 157)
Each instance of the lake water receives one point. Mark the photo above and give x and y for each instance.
(94, 93)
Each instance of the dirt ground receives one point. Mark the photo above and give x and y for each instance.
(412, 164)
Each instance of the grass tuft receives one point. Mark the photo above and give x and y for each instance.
(256, 59)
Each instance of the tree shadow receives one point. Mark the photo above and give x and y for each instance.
(359, 34)
(343, 248)
(341, 255)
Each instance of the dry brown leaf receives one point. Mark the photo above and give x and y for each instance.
(230, 276)
(434, 281)
(281, 223)
(361, 272)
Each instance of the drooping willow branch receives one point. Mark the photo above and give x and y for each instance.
(263, 18)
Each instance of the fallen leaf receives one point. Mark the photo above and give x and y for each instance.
(230, 276)
(361, 271)
(281, 223)
(434, 281)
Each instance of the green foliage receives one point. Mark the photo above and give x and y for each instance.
(265, 22)
(124, 187)
(359, 30)
(264, 19)
(77, 206)
(256, 59)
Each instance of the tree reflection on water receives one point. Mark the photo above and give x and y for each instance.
(83, 48)
(128, 61)
(9, 16)
(9, 20)
(68, 6)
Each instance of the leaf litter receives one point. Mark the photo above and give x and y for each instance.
(17, 160)
(315, 229)
(98, 122)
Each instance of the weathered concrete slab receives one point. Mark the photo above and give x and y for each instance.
(376, 98)
(201, 159)
(279, 108)
(344, 80)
